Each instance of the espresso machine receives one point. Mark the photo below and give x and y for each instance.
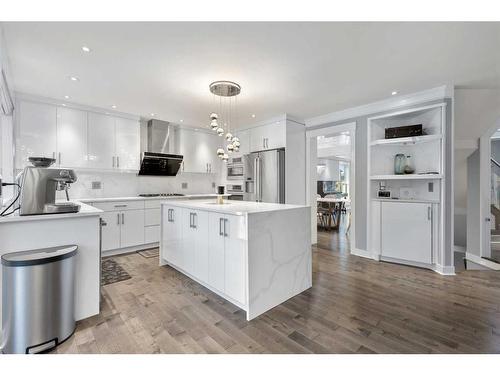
(39, 185)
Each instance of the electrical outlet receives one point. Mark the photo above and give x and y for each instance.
(213, 185)
(96, 185)
(184, 185)
(431, 187)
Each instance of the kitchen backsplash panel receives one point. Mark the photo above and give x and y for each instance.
(128, 184)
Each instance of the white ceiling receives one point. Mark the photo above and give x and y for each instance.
(304, 69)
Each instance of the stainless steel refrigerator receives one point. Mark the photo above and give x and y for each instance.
(264, 174)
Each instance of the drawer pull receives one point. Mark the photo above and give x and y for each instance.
(120, 205)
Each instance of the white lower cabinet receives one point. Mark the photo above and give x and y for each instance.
(210, 247)
(132, 228)
(406, 231)
(123, 224)
(110, 236)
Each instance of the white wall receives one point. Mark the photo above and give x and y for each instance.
(476, 111)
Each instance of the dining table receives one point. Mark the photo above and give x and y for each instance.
(334, 207)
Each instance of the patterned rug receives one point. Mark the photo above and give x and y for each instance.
(149, 253)
(112, 272)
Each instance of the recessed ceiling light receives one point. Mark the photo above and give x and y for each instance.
(66, 96)
(152, 114)
(73, 78)
(86, 49)
(64, 105)
(113, 106)
(181, 120)
(394, 93)
(253, 115)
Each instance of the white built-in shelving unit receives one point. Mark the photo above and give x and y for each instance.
(408, 227)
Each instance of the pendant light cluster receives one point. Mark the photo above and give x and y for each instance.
(222, 121)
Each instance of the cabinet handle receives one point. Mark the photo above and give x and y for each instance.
(123, 218)
(221, 233)
(59, 158)
(263, 143)
(53, 154)
(225, 233)
(168, 215)
(117, 162)
(195, 216)
(190, 220)
(429, 213)
(113, 161)
(210, 165)
(118, 219)
(172, 215)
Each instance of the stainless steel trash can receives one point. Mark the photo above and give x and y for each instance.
(38, 298)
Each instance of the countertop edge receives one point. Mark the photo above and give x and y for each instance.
(85, 211)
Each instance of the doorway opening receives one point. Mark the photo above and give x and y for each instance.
(495, 200)
(331, 186)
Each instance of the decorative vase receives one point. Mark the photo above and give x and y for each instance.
(399, 163)
(409, 168)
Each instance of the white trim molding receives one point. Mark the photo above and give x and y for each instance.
(389, 104)
(481, 261)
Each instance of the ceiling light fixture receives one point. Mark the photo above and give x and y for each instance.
(181, 120)
(113, 106)
(73, 78)
(225, 90)
(253, 115)
(152, 115)
(66, 96)
(394, 93)
(86, 49)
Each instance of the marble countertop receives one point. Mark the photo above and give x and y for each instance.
(85, 210)
(232, 207)
(116, 199)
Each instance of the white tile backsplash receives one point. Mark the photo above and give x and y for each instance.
(115, 184)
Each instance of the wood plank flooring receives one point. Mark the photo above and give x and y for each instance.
(356, 305)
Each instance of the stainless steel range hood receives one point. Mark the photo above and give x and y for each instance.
(159, 158)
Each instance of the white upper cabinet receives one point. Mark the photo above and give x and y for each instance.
(244, 137)
(36, 131)
(101, 141)
(268, 137)
(127, 133)
(71, 138)
(199, 150)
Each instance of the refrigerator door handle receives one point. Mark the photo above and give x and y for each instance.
(260, 179)
(255, 178)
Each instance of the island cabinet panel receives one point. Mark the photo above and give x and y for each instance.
(216, 271)
(172, 235)
(200, 234)
(235, 257)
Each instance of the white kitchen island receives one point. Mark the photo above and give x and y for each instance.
(255, 255)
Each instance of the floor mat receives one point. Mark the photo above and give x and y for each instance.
(112, 272)
(149, 253)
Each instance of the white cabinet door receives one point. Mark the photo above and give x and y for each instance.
(36, 133)
(101, 141)
(268, 137)
(244, 137)
(407, 231)
(257, 139)
(214, 162)
(71, 138)
(216, 251)
(132, 228)
(172, 236)
(275, 135)
(127, 133)
(235, 257)
(188, 242)
(200, 223)
(198, 149)
(110, 231)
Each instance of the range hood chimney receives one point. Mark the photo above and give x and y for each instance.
(160, 158)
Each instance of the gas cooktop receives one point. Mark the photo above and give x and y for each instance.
(161, 195)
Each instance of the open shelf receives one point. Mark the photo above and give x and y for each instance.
(407, 177)
(407, 140)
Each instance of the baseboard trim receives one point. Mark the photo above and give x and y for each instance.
(445, 270)
(128, 250)
(483, 262)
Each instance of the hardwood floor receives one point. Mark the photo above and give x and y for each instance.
(356, 305)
